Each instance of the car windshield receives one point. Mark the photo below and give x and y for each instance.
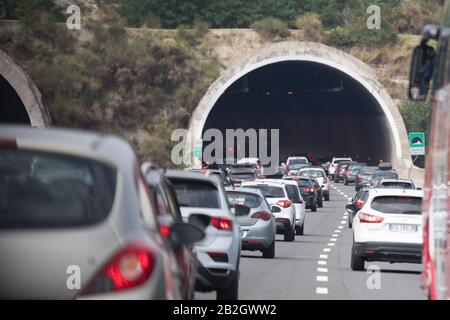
(312, 173)
(43, 189)
(244, 199)
(269, 191)
(397, 204)
(196, 194)
(398, 185)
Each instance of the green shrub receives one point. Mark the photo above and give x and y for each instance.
(311, 25)
(271, 28)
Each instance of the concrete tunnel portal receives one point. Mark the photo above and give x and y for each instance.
(324, 102)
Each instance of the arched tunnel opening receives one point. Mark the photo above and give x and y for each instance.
(320, 111)
(13, 110)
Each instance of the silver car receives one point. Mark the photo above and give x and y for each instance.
(76, 220)
(257, 222)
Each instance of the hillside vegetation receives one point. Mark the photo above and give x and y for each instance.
(118, 75)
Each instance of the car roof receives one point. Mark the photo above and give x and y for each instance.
(246, 190)
(397, 180)
(263, 182)
(311, 168)
(104, 147)
(374, 192)
(189, 175)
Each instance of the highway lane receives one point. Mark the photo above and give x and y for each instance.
(317, 265)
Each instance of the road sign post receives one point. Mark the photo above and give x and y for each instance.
(417, 143)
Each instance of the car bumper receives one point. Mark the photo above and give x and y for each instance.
(390, 252)
(310, 200)
(258, 236)
(209, 279)
(350, 179)
(283, 224)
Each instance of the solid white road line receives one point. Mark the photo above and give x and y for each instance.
(322, 278)
(321, 290)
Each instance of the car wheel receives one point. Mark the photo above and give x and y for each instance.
(299, 230)
(326, 196)
(356, 263)
(349, 221)
(269, 252)
(346, 182)
(230, 293)
(289, 235)
(314, 208)
(320, 204)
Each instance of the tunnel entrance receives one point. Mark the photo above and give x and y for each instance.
(319, 111)
(13, 110)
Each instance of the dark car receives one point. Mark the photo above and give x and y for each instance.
(163, 196)
(340, 169)
(363, 176)
(308, 190)
(352, 171)
(356, 204)
(378, 175)
(238, 175)
(319, 192)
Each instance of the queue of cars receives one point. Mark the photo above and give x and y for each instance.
(385, 214)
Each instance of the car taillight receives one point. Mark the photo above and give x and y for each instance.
(221, 223)
(308, 189)
(359, 203)
(369, 218)
(325, 180)
(360, 176)
(129, 268)
(264, 215)
(284, 203)
(347, 173)
(164, 230)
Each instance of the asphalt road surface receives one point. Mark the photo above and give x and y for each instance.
(317, 264)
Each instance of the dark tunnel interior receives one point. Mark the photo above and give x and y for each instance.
(13, 110)
(320, 111)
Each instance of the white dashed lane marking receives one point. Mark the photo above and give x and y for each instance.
(321, 290)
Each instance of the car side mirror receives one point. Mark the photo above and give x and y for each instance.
(421, 71)
(275, 209)
(418, 188)
(185, 234)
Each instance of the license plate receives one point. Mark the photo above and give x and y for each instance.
(403, 227)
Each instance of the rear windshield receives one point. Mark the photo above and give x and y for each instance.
(269, 191)
(244, 199)
(243, 175)
(196, 194)
(41, 190)
(297, 161)
(385, 175)
(397, 204)
(354, 167)
(401, 185)
(342, 161)
(368, 170)
(312, 173)
(303, 183)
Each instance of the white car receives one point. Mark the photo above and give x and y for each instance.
(321, 177)
(276, 194)
(293, 164)
(202, 200)
(334, 163)
(388, 228)
(254, 161)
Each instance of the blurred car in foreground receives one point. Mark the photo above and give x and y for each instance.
(254, 215)
(72, 200)
(202, 199)
(388, 228)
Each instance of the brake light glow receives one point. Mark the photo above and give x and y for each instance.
(221, 223)
(369, 218)
(347, 173)
(308, 189)
(284, 203)
(129, 268)
(359, 203)
(164, 230)
(264, 215)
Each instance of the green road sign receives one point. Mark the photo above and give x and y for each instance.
(417, 143)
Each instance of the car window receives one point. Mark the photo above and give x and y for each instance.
(293, 194)
(393, 184)
(303, 183)
(43, 189)
(245, 199)
(397, 204)
(197, 194)
(269, 191)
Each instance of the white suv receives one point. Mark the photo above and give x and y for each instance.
(334, 163)
(388, 228)
(203, 201)
(277, 196)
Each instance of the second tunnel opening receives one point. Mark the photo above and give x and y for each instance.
(320, 112)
